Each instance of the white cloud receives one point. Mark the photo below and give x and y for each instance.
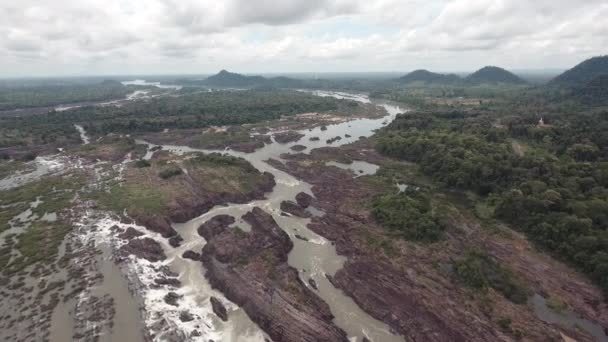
(198, 36)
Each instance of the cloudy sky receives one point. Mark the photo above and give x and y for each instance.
(97, 37)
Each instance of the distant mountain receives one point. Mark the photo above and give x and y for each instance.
(426, 76)
(583, 73)
(229, 79)
(492, 74)
(594, 93)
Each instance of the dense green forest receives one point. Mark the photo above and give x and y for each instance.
(192, 110)
(51, 95)
(548, 179)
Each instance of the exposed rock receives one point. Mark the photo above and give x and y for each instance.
(130, 233)
(304, 199)
(298, 148)
(219, 309)
(294, 209)
(347, 135)
(411, 300)
(156, 223)
(287, 137)
(314, 139)
(334, 139)
(298, 236)
(175, 241)
(214, 226)
(145, 248)
(191, 255)
(251, 270)
(313, 283)
(324, 128)
(185, 316)
(174, 282)
(171, 298)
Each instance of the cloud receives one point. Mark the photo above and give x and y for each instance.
(176, 36)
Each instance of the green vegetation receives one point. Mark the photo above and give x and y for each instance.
(39, 240)
(195, 110)
(170, 171)
(409, 215)
(492, 74)
(555, 190)
(583, 73)
(51, 95)
(480, 272)
(141, 163)
(134, 198)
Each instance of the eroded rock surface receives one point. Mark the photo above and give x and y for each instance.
(251, 270)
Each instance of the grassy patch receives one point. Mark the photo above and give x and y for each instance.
(556, 304)
(170, 171)
(135, 198)
(480, 271)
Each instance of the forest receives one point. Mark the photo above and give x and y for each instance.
(43, 95)
(547, 178)
(189, 110)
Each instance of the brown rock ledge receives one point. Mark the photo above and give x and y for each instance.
(251, 270)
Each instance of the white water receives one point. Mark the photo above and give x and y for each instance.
(155, 84)
(313, 258)
(83, 134)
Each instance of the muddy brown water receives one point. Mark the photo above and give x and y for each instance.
(313, 258)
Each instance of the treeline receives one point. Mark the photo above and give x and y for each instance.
(169, 112)
(555, 189)
(52, 95)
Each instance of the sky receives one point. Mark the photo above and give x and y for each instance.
(111, 37)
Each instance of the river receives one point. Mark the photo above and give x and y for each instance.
(313, 258)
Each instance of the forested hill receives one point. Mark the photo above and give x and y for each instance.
(229, 79)
(583, 73)
(594, 93)
(426, 76)
(493, 74)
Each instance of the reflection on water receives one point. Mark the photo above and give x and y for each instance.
(154, 84)
(359, 168)
(566, 318)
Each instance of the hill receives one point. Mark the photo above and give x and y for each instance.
(594, 93)
(583, 73)
(492, 74)
(426, 76)
(229, 79)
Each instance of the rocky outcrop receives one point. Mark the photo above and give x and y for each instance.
(379, 299)
(130, 233)
(191, 255)
(298, 148)
(294, 209)
(156, 223)
(401, 285)
(287, 137)
(172, 298)
(214, 226)
(251, 270)
(197, 203)
(219, 309)
(304, 199)
(145, 248)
